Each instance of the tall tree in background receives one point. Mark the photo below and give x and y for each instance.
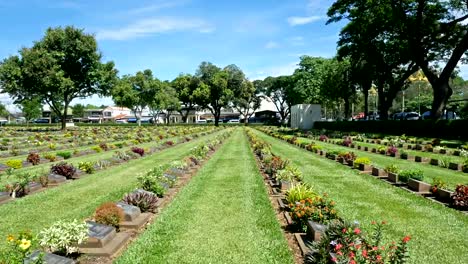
(78, 110)
(280, 91)
(136, 92)
(163, 98)
(65, 64)
(3, 111)
(309, 77)
(247, 99)
(216, 90)
(185, 86)
(31, 109)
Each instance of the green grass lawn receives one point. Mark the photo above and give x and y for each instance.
(439, 234)
(452, 178)
(222, 216)
(45, 167)
(79, 199)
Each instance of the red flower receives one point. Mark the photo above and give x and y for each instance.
(334, 260)
(352, 262)
(373, 223)
(379, 258)
(406, 239)
(357, 231)
(344, 230)
(364, 253)
(339, 253)
(351, 254)
(338, 247)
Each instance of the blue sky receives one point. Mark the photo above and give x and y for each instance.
(263, 37)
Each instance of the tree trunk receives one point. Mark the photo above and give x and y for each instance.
(64, 117)
(365, 90)
(347, 113)
(442, 93)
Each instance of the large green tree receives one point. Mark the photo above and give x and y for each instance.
(65, 64)
(136, 92)
(31, 109)
(280, 91)
(78, 110)
(216, 89)
(185, 86)
(247, 99)
(164, 97)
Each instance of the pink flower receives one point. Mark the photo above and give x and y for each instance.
(344, 230)
(352, 262)
(406, 239)
(334, 260)
(338, 247)
(357, 231)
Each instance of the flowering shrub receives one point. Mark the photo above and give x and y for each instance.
(64, 169)
(344, 242)
(392, 150)
(109, 214)
(33, 158)
(169, 143)
(276, 165)
(362, 160)
(19, 248)
(347, 156)
(138, 151)
(87, 166)
(14, 164)
(318, 209)
(104, 146)
(460, 197)
(64, 237)
(347, 141)
(146, 201)
(298, 192)
(438, 183)
(323, 138)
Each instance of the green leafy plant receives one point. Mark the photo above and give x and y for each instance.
(405, 175)
(64, 237)
(64, 154)
(50, 156)
(392, 168)
(290, 173)
(64, 169)
(19, 247)
(97, 149)
(298, 192)
(14, 164)
(87, 166)
(438, 183)
(361, 160)
(319, 209)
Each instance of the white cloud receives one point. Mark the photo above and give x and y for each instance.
(151, 26)
(297, 20)
(271, 45)
(274, 71)
(155, 7)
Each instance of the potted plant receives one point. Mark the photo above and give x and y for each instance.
(362, 164)
(392, 171)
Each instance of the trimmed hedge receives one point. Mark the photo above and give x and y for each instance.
(448, 129)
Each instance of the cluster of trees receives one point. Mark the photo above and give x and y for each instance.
(66, 64)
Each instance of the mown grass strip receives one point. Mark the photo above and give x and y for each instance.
(79, 199)
(439, 233)
(452, 178)
(222, 216)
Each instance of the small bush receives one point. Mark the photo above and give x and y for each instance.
(64, 154)
(63, 237)
(391, 168)
(33, 158)
(87, 166)
(438, 183)
(318, 209)
(15, 164)
(405, 175)
(97, 149)
(362, 160)
(64, 169)
(299, 192)
(50, 156)
(104, 146)
(146, 201)
(138, 151)
(109, 214)
(460, 197)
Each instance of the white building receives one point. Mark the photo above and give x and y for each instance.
(303, 116)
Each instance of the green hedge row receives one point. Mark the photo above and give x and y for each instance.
(448, 129)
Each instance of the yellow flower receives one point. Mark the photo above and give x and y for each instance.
(25, 244)
(10, 238)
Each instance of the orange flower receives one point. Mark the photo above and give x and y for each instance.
(406, 239)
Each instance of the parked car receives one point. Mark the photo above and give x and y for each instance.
(201, 121)
(412, 116)
(233, 121)
(449, 115)
(41, 121)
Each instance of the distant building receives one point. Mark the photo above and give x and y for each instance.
(303, 116)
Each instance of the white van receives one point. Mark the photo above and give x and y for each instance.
(233, 121)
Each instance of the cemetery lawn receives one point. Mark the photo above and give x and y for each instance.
(79, 199)
(438, 233)
(223, 215)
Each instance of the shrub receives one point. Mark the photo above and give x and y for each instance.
(438, 183)
(299, 192)
(109, 214)
(289, 173)
(460, 197)
(63, 237)
(318, 209)
(119, 145)
(52, 146)
(138, 151)
(64, 154)
(152, 184)
(381, 149)
(50, 156)
(146, 201)
(465, 165)
(15, 164)
(392, 150)
(104, 146)
(362, 160)
(20, 246)
(64, 169)
(97, 149)
(87, 166)
(33, 158)
(344, 242)
(391, 168)
(405, 175)
(169, 143)
(323, 138)
(347, 141)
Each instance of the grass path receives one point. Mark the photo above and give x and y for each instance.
(222, 216)
(79, 199)
(439, 233)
